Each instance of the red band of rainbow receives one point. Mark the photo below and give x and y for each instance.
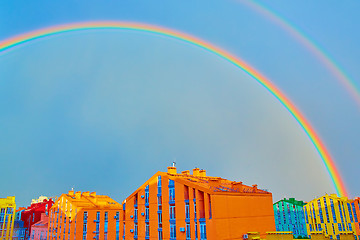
(314, 138)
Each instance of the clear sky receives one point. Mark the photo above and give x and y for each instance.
(104, 110)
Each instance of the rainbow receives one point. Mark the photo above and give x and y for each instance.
(314, 138)
(314, 48)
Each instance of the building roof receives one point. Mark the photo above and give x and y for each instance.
(8, 201)
(89, 200)
(20, 209)
(332, 196)
(41, 224)
(292, 201)
(39, 206)
(213, 185)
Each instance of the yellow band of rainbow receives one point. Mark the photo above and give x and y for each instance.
(314, 138)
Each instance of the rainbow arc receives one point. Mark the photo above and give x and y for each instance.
(267, 84)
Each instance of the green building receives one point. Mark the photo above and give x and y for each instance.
(289, 216)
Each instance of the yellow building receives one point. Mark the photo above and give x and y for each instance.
(7, 217)
(331, 215)
(279, 235)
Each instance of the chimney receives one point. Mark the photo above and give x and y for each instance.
(71, 192)
(186, 172)
(202, 173)
(171, 170)
(86, 194)
(93, 194)
(196, 172)
(78, 195)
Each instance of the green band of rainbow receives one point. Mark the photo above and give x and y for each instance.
(314, 138)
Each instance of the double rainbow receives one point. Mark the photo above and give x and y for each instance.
(314, 138)
(349, 84)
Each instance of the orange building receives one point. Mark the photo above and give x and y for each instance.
(84, 216)
(356, 210)
(195, 206)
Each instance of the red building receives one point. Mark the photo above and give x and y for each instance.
(32, 214)
(39, 229)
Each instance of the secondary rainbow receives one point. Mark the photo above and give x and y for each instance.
(314, 138)
(314, 48)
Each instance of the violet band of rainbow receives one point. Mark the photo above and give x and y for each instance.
(327, 160)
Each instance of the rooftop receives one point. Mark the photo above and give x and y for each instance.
(89, 200)
(213, 184)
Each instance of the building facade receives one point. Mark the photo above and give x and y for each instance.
(32, 214)
(7, 217)
(195, 206)
(289, 216)
(84, 216)
(39, 230)
(355, 205)
(19, 230)
(330, 214)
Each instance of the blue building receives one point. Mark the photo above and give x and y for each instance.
(19, 230)
(289, 216)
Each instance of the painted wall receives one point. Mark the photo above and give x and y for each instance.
(330, 214)
(230, 216)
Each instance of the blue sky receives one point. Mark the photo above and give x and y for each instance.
(104, 110)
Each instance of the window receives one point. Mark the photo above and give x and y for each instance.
(196, 231)
(85, 225)
(135, 231)
(147, 194)
(159, 218)
(136, 200)
(355, 215)
(160, 234)
(172, 231)
(326, 210)
(341, 215)
(320, 212)
(333, 210)
(146, 214)
(171, 194)
(188, 232)
(172, 212)
(124, 228)
(195, 210)
(350, 212)
(171, 190)
(117, 216)
(97, 225)
(106, 220)
(147, 230)
(210, 212)
(135, 214)
(187, 211)
(203, 231)
(306, 215)
(159, 184)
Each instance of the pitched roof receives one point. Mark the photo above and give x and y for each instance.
(208, 184)
(89, 200)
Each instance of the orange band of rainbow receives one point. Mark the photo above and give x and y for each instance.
(314, 138)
